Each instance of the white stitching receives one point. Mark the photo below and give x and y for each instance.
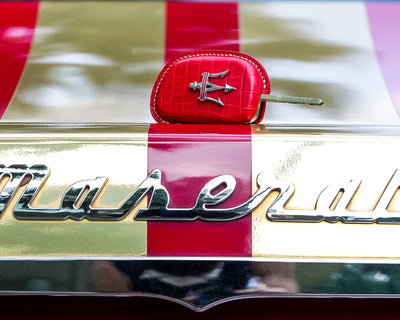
(200, 55)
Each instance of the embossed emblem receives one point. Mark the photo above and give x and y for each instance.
(205, 87)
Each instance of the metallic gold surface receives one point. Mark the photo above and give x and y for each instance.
(73, 154)
(313, 159)
(91, 61)
(322, 50)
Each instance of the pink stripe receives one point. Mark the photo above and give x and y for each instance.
(17, 25)
(384, 18)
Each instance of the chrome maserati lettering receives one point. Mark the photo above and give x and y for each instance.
(326, 209)
(18, 175)
(205, 200)
(77, 202)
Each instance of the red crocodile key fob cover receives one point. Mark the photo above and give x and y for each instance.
(210, 87)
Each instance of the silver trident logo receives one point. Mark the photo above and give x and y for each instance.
(205, 87)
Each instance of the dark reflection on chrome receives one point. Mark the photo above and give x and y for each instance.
(198, 283)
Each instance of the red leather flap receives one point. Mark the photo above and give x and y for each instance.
(210, 87)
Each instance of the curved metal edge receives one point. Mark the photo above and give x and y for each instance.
(199, 284)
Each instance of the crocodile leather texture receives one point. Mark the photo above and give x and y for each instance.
(218, 87)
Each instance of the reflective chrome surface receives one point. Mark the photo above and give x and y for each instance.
(333, 203)
(78, 200)
(300, 175)
(199, 284)
(319, 170)
(71, 153)
(311, 166)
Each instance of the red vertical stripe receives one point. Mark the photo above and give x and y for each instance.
(197, 26)
(17, 24)
(191, 155)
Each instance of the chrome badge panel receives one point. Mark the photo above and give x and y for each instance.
(324, 207)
